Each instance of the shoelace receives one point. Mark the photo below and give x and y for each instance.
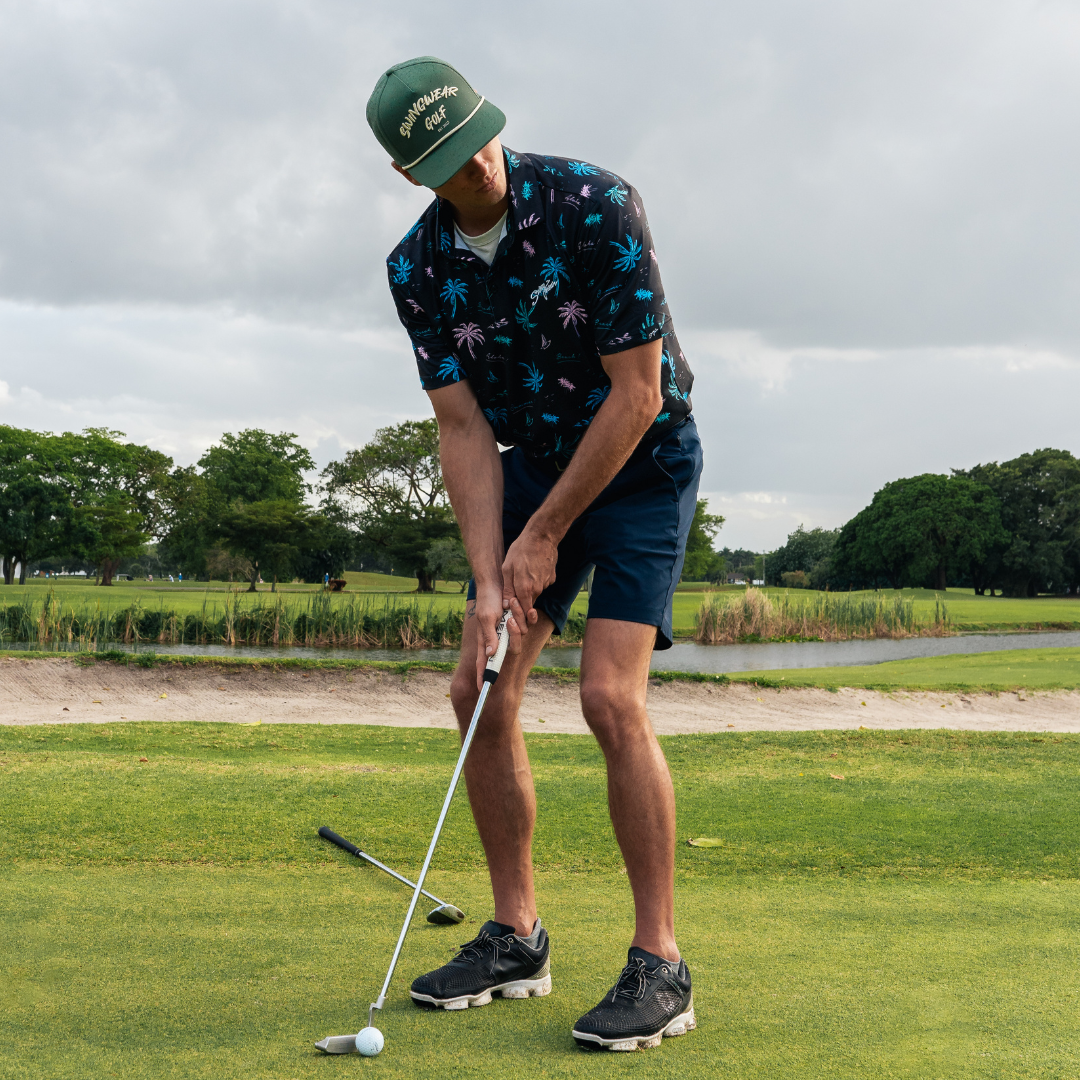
(632, 982)
(474, 950)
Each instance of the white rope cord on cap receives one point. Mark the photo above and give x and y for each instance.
(446, 136)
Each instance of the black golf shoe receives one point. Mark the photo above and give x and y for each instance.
(652, 998)
(496, 961)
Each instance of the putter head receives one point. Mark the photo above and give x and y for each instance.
(337, 1044)
(445, 915)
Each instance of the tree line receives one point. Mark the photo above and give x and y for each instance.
(1011, 527)
(245, 510)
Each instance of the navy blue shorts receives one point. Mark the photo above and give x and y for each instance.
(634, 533)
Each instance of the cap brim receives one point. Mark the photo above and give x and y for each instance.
(446, 159)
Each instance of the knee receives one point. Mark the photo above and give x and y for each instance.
(611, 710)
(463, 693)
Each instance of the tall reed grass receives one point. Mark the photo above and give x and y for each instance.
(319, 620)
(754, 616)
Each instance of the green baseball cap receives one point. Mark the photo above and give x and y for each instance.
(429, 119)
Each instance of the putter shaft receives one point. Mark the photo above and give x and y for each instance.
(491, 673)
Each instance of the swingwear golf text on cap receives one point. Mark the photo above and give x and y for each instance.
(430, 120)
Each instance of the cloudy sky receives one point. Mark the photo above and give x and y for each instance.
(866, 218)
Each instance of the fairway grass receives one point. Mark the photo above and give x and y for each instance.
(877, 904)
(1009, 670)
(195, 972)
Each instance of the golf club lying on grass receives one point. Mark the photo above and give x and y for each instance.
(444, 915)
(369, 1042)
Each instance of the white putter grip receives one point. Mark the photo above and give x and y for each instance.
(495, 663)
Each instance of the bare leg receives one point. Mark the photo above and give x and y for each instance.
(498, 776)
(614, 678)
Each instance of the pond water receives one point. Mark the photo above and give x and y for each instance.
(683, 656)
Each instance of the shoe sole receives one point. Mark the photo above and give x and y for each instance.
(515, 990)
(679, 1026)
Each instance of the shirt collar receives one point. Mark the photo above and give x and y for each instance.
(527, 208)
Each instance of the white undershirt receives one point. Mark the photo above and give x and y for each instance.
(486, 244)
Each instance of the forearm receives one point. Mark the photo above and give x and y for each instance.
(611, 438)
(472, 472)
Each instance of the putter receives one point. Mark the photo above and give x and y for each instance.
(444, 915)
(346, 1044)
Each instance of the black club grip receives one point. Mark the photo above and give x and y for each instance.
(329, 834)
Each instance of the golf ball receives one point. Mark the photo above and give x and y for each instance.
(369, 1042)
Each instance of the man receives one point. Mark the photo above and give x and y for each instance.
(531, 294)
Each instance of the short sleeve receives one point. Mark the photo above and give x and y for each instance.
(435, 360)
(624, 293)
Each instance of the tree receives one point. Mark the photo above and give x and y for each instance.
(191, 508)
(393, 491)
(915, 531)
(703, 563)
(807, 552)
(34, 508)
(248, 498)
(446, 559)
(108, 531)
(270, 534)
(256, 466)
(328, 548)
(116, 489)
(1039, 495)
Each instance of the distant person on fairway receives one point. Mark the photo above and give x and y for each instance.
(531, 294)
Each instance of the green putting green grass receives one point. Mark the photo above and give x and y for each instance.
(178, 917)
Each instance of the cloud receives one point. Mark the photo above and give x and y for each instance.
(865, 217)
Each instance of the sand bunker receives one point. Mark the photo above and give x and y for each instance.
(60, 691)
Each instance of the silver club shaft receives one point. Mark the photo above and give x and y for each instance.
(431, 848)
(494, 665)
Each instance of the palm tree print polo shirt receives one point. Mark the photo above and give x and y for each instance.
(574, 278)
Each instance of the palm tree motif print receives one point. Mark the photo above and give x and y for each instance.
(549, 418)
(468, 334)
(527, 190)
(450, 369)
(586, 190)
(629, 253)
(534, 378)
(452, 292)
(566, 384)
(572, 313)
(617, 195)
(421, 352)
(553, 269)
(402, 270)
(527, 248)
(645, 329)
(532, 219)
(662, 417)
(502, 339)
(515, 282)
(643, 294)
(495, 416)
(511, 159)
(579, 168)
(594, 219)
(522, 316)
(597, 397)
(445, 242)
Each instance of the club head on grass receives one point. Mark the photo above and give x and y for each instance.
(337, 1044)
(445, 915)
